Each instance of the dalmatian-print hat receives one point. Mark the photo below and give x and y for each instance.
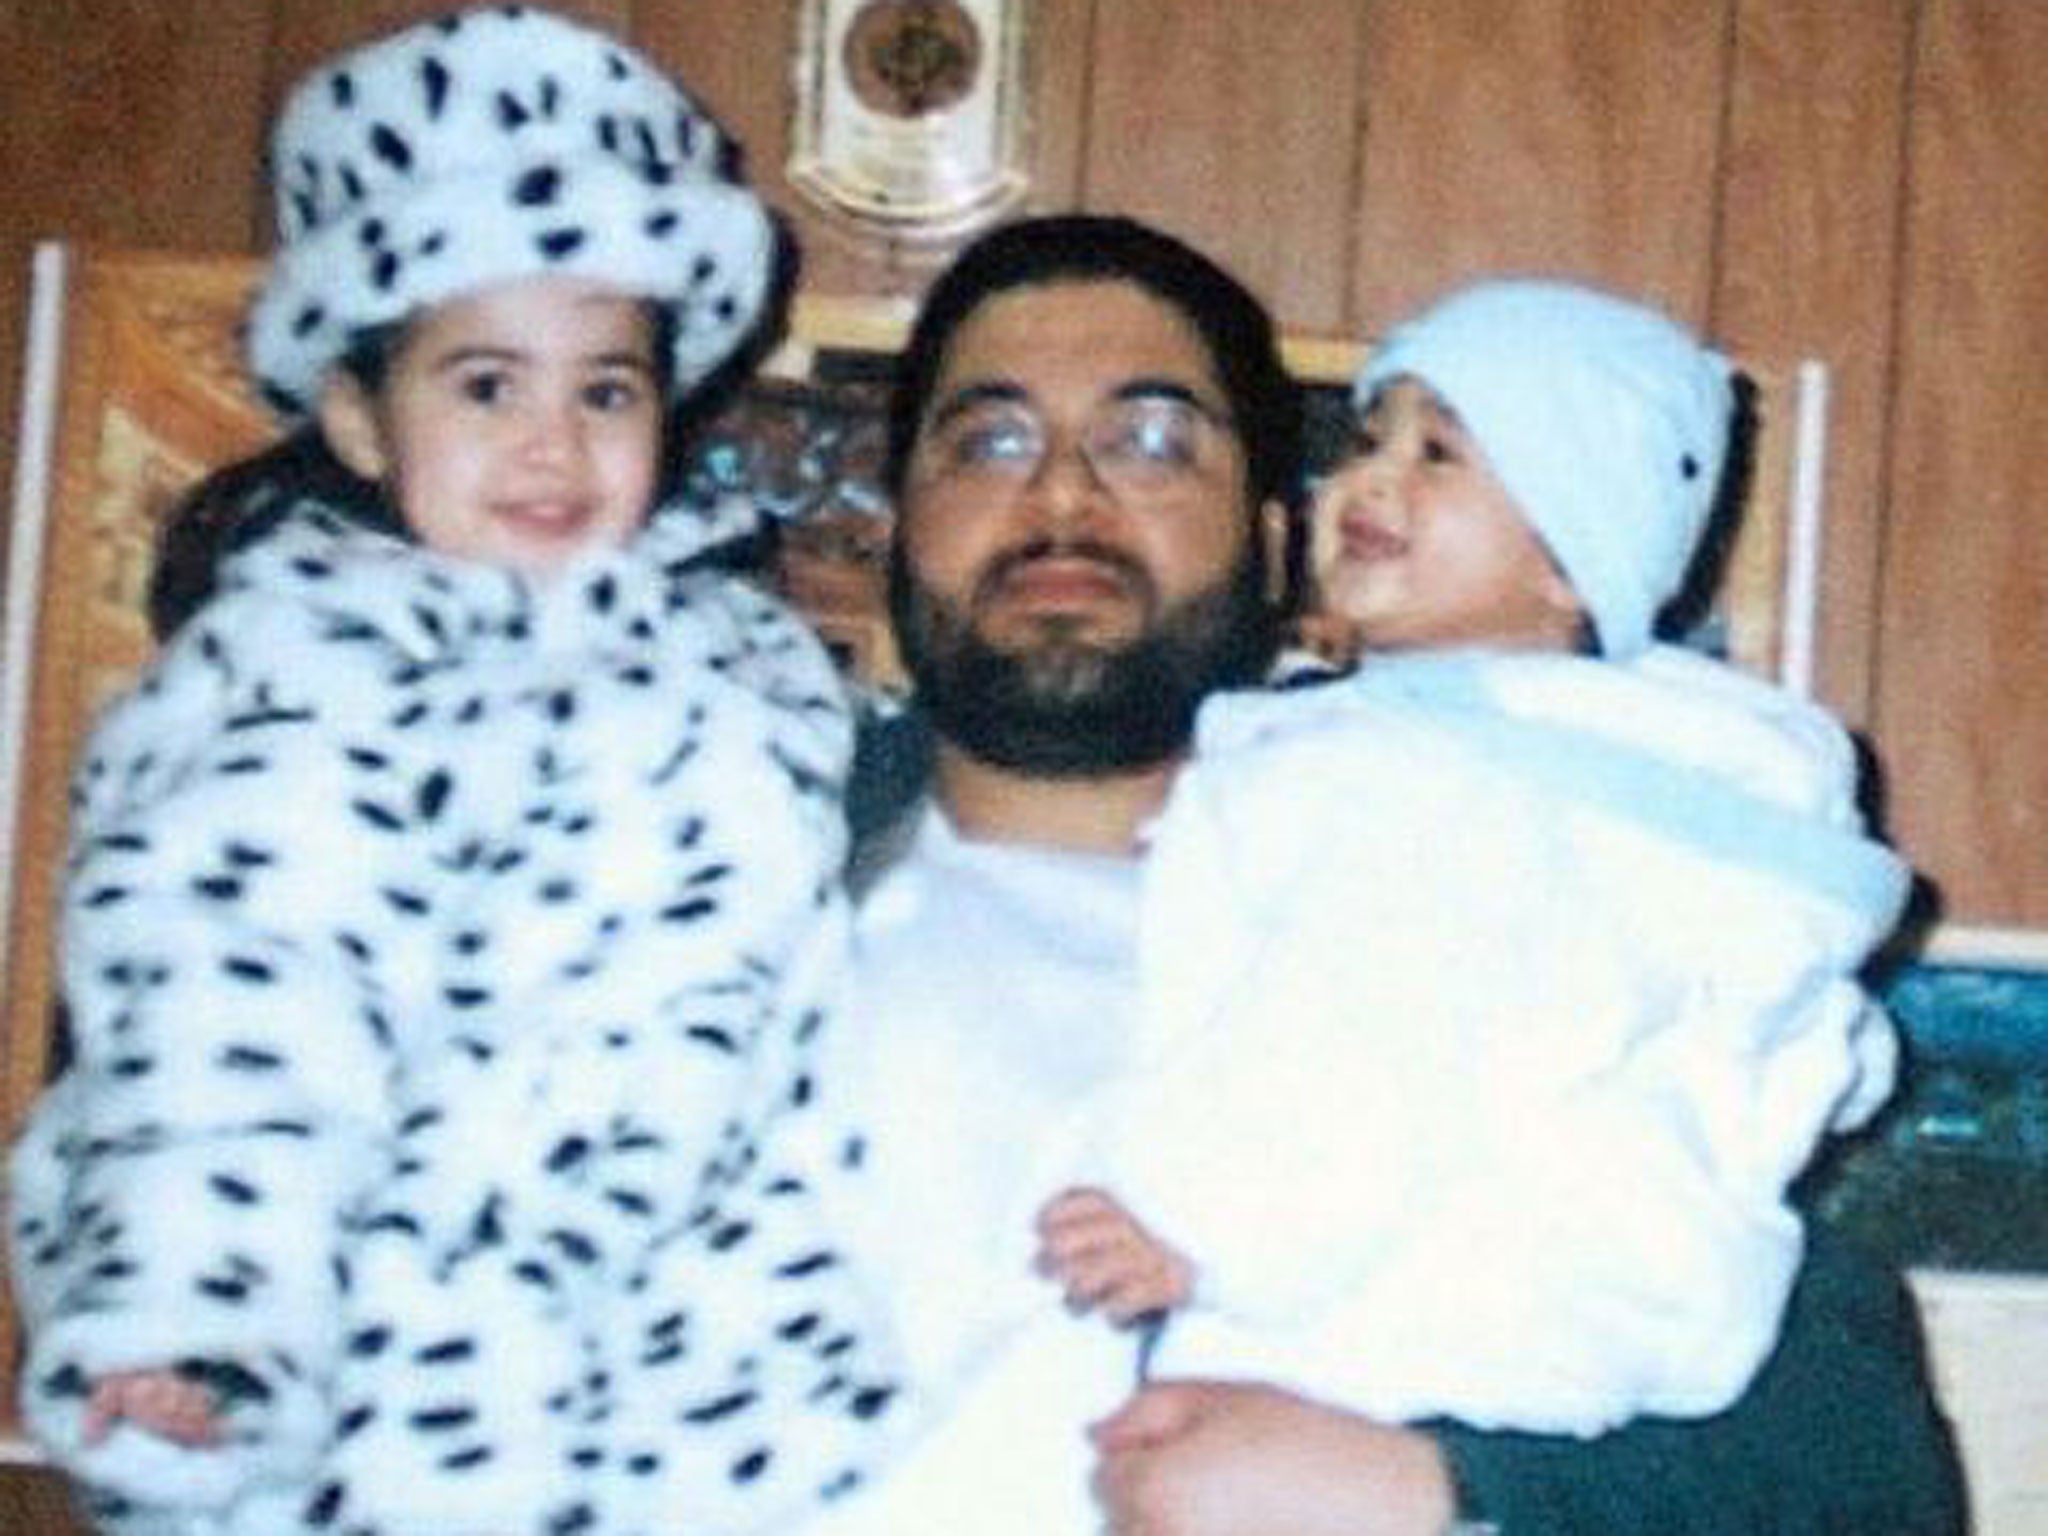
(489, 145)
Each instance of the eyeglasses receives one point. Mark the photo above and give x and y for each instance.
(1141, 446)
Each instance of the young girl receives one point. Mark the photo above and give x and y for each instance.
(1496, 992)
(454, 906)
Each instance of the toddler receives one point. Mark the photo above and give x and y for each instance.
(1496, 991)
(453, 908)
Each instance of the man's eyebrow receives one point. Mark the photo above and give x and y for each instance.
(1144, 387)
(1172, 389)
(968, 396)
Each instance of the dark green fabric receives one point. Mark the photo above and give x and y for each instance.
(892, 757)
(1838, 1436)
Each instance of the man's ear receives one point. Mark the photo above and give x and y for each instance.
(348, 420)
(1276, 532)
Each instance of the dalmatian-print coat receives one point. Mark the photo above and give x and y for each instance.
(444, 957)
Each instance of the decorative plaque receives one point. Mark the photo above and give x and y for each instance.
(910, 114)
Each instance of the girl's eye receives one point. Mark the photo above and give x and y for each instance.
(484, 386)
(1439, 450)
(620, 394)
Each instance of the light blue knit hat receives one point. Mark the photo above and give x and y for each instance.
(1607, 422)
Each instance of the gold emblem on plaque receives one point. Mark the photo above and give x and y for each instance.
(908, 59)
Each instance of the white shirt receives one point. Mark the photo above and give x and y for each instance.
(993, 1008)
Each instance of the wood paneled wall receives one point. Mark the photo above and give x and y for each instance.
(1961, 640)
(1864, 181)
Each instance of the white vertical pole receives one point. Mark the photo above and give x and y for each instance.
(1801, 597)
(34, 445)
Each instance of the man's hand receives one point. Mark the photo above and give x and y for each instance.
(1221, 1459)
(1104, 1260)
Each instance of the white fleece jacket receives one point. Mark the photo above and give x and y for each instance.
(1490, 1004)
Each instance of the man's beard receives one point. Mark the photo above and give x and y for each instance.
(1063, 705)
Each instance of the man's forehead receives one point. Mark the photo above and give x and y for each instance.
(1093, 339)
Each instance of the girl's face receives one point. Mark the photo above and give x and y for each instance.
(1414, 542)
(517, 426)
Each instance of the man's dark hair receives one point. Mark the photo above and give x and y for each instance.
(1264, 400)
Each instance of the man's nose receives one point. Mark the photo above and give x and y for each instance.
(1065, 482)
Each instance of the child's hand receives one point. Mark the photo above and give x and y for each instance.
(1104, 1260)
(165, 1403)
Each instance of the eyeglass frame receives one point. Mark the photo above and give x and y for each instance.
(1177, 400)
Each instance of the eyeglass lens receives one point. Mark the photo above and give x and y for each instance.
(1146, 443)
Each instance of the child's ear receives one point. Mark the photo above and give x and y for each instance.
(349, 422)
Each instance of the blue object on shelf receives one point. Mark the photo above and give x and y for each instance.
(1954, 1171)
